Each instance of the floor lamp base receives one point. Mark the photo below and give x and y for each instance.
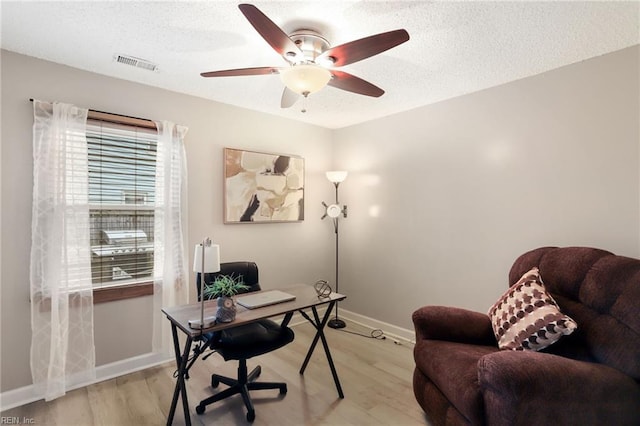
(336, 323)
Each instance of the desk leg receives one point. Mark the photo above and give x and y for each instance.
(319, 325)
(181, 387)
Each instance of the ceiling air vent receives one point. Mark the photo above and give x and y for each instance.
(135, 62)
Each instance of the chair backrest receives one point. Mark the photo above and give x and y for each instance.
(601, 292)
(247, 270)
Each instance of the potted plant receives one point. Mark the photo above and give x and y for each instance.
(224, 287)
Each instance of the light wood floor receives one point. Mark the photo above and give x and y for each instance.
(375, 375)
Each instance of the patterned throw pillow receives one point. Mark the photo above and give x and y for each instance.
(527, 318)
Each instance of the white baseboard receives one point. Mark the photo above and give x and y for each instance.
(27, 394)
(390, 330)
(393, 332)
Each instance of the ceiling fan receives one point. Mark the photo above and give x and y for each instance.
(312, 61)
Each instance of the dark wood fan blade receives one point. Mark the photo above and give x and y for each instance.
(241, 72)
(351, 83)
(277, 39)
(358, 50)
(289, 97)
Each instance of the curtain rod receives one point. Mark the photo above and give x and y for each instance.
(119, 118)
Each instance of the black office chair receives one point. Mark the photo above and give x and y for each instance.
(244, 342)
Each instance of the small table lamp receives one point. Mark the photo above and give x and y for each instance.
(206, 259)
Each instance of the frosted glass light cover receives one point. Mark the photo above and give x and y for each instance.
(334, 211)
(305, 79)
(211, 258)
(336, 176)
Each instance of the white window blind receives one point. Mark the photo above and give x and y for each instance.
(122, 168)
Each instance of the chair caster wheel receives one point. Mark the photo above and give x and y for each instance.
(251, 416)
(283, 390)
(258, 371)
(214, 382)
(200, 409)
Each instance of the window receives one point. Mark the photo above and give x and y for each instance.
(103, 226)
(122, 169)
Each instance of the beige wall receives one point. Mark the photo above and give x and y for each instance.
(443, 198)
(286, 253)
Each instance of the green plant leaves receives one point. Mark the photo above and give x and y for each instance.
(224, 285)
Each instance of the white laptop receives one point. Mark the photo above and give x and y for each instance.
(264, 298)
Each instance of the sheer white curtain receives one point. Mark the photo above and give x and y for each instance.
(169, 273)
(62, 342)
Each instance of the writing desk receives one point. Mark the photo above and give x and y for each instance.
(306, 298)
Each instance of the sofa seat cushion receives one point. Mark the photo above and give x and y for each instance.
(453, 368)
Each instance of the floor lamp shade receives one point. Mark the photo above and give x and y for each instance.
(211, 258)
(336, 176)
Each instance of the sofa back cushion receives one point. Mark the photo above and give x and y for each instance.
(601, 292)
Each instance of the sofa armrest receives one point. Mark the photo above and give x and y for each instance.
(453, 324)
(534, 388)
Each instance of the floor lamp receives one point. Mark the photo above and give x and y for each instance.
(206, 259)
(334, 211)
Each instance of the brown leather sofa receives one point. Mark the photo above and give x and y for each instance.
(590, 377)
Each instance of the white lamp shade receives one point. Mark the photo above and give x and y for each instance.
(211, 258)
(334, 210)
(336, 176)
(306, 78)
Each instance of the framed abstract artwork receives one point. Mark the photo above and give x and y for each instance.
(262, 188)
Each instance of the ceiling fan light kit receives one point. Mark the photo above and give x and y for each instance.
(305, 79)
(312, 61)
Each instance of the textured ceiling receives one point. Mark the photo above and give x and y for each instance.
(455, 47)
